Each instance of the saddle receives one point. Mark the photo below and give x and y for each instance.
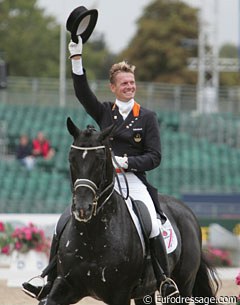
(144, 218)
(142, 221)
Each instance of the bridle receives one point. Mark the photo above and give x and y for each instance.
(92, 186)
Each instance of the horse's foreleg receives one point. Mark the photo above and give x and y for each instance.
(61, 293)
(120, 301)
(119, 296)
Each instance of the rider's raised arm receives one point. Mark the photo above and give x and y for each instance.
(87, 98)
(82, 89)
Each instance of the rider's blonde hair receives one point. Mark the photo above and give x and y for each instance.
(122, 66)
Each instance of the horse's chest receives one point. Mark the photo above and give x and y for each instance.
(95, 255)
(97, 246)
(95, 263)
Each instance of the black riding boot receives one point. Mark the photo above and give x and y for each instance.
(165, 285)
(40, 292)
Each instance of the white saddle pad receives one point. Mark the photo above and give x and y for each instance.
(169, 236)
(168, 233)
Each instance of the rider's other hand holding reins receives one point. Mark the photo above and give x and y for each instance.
(120, 162)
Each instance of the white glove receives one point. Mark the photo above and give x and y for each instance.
(75, 48)
(122, 162)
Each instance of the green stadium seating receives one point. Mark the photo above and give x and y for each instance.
(193, 157)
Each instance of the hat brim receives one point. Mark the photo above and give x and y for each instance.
(93, 14)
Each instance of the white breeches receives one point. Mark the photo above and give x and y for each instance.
(138, 191)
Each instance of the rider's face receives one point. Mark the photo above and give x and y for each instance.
(124, 86)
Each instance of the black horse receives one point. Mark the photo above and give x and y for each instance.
(100, 253)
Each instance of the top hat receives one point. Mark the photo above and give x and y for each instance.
(81, 22)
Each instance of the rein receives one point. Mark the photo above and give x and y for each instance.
(124, 176)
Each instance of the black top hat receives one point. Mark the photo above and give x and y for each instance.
(81, 22)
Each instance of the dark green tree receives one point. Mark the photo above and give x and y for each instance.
(159, 47)
(228, 50)
(30, 43)
(29, 39)
(229, 78)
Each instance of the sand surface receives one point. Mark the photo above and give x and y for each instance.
(14, 296)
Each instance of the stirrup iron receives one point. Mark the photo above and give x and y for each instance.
(29, 292)
(170, 281)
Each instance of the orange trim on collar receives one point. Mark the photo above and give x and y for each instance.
(136, 109)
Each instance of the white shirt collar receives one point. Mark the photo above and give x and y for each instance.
(125, 107)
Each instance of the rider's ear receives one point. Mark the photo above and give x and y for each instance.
(106, 133)
(72, 128)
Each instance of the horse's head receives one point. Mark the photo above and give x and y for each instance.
(91, 170)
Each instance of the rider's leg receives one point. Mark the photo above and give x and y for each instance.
(40, 292)
(154, 195)
(158, 251)
(138, 191)
(165, 284)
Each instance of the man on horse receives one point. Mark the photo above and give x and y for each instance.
(136, 146)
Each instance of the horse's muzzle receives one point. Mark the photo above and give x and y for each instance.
(84, 215)
(81, 216)
(84, 202)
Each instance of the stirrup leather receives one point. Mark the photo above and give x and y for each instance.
(31, 294)
(170, 281)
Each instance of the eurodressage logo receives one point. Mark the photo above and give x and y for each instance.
(147, 299)
(196, 300)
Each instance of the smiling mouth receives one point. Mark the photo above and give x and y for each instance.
(130, 92)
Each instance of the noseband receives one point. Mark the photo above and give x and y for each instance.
(92, 186)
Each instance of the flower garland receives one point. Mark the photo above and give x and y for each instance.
(6, 240)
(22, 239)
(218, 257)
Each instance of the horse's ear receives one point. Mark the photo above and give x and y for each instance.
(106, 132)
(72, 128)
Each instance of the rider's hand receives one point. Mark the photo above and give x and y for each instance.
(75, 49)
(121, 162)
